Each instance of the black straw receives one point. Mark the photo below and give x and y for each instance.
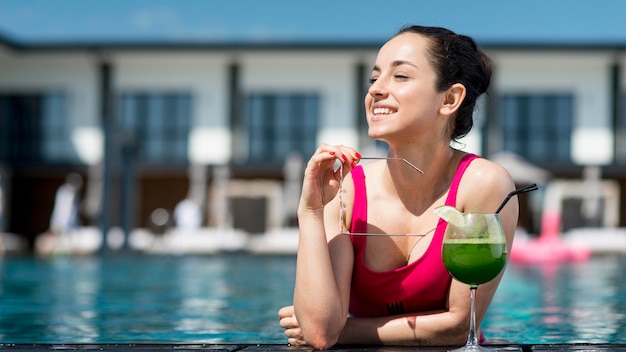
(516, 192)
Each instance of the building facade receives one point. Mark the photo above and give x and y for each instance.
(133, 118)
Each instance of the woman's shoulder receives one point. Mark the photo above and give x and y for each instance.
(485, 179)
(485, 171)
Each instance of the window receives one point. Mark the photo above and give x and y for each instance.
(156, 125)
(279, 124)
(34, 128)
(537, 126)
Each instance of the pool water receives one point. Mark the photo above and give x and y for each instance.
(223, 298)
(561, 303)
(234, 298)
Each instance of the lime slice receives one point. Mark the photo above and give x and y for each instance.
(450, 214)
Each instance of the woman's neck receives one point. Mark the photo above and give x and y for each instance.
(413, 187)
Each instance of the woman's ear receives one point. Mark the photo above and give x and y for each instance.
(452, 99)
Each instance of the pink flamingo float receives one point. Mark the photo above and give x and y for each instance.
(549, 247)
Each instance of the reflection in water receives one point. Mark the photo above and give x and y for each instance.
(204, 291)
(234, 298)
(209, 299)
(596, 290)
(560, 303)
(72, 292)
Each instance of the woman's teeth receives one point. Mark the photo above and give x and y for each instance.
(382, 111)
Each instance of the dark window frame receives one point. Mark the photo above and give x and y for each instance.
(35, 128)
(156, 125)
(278, 124)
(537, 126)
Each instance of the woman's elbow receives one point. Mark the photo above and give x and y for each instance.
(320, 339)
(320, 344)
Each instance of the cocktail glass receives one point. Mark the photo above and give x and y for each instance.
(474, 252)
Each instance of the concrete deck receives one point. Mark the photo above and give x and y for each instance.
(279, 348)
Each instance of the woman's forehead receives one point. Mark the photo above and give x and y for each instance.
(406, 48)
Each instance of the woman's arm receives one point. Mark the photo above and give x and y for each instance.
(324, 258)
(435, 328)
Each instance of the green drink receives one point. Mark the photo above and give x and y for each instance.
(474, 261)
(474, 252)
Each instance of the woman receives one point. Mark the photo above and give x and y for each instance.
(349, 289)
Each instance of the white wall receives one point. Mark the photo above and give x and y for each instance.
(73, 74)
(330, 75)
(584, 75)
(204, 76)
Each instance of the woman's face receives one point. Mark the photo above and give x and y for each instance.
(402, 98)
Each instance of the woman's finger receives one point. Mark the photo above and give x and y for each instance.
(289, 323)
(294, 336)
(286, 311)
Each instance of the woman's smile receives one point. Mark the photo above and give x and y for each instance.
(380, 112)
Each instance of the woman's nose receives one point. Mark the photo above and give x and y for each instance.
(377, 89)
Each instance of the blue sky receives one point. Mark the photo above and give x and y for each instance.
(262, 20)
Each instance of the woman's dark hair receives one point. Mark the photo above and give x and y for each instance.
(456, 59)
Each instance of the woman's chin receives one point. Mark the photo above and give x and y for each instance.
(378, 136)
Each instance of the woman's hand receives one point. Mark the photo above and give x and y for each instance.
(289, 322)
(321, 179)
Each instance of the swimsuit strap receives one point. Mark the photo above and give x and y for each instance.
(359, 207)
(456, 180)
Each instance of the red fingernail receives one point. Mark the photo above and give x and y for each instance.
(358, 155)
(345, 158)
(332, 153)
(353, 164)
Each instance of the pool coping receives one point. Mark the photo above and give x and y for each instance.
(119, 347)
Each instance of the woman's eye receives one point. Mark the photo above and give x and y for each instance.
(373, 79)
(399, 76)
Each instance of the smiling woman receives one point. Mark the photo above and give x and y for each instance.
(357, 289)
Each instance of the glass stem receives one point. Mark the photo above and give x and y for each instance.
(472, 338)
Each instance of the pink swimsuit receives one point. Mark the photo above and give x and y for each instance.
(419, 286)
